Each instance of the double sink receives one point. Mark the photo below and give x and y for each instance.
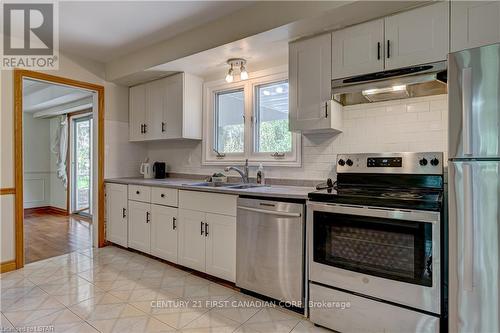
(236, 186)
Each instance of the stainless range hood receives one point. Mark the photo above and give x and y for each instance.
(415, 81)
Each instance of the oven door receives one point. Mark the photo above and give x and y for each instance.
(389, 254)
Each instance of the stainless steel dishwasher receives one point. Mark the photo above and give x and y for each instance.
(271, 248)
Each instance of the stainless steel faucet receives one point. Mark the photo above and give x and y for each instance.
(243, 174)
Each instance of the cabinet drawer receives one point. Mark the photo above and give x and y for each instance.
(216, 203)
(139, 193)
(164, 196)
(350, 313)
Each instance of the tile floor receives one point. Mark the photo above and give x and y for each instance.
(115, 290)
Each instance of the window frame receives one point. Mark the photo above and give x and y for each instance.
(209, 157)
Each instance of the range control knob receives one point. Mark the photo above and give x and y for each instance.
(423, 162)
(434, 161)
(341, 162)
(349, 162)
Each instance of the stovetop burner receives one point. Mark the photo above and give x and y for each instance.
(424, 199)
(396, 180)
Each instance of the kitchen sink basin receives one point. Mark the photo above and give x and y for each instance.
(245, 186)
(211, 184)
(236, 186)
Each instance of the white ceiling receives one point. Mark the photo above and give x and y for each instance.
(106, 30)
(269, 48)
(42, 98)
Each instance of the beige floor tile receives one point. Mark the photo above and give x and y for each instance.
(5, 324)
(278, 326)
(211, 320)
(274, 314)
(306, 326)
(179, 319)
(238, 308)
(143, 324)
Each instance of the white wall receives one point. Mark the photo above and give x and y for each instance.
(417, 124)
(37, 166)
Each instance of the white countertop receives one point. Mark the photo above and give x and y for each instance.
(270, 191)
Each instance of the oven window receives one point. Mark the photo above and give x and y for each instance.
(388, 248)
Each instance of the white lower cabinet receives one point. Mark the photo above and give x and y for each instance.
(164, 232)
(116, 214)
(220, 246)
(139, 226)
(192, 239)
(207, 243)
(199, 234)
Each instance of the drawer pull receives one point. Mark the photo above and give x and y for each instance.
(137, 192)
(162, 195)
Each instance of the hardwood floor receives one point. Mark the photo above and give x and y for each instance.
(47, 235)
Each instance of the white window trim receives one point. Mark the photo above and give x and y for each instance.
(209, 157)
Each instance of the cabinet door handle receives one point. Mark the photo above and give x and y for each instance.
(174, 226)
(378, 51)
(388, 49)
(206, 229)
(142, 128)
(201, 228)
(137, 192)
(326, 109)
(162, 126)
(147, 217)
(145, 128)
(124, 212)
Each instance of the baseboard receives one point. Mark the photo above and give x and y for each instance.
(7, 266)
(45, 210)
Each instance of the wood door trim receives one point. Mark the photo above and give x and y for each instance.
(8, 266)
(7, 190)
(19, 74)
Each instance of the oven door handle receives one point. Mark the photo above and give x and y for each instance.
(408, 215)
(272, 212)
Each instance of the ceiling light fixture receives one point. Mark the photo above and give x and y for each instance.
(237, 64)
(229, 76)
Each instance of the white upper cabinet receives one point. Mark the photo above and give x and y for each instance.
(137, 114)
(474, 24)
(358, 49)
(169, 108)
(116, 214)
(156, 107)
(310, 70)
(417, 36)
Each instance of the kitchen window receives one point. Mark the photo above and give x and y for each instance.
(249, 120)
(229, 121)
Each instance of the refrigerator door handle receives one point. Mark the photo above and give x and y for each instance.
(467, 110)
(468, 228)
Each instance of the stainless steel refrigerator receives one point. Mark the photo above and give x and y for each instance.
(474, 189)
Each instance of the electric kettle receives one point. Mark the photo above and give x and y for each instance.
(146, 169)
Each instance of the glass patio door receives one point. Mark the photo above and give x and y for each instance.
(82, 165)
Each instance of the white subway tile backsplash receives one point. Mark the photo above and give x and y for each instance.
(416, 124)
(418, 107)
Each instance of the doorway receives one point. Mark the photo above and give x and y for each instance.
(81, 137)
(56, 235)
